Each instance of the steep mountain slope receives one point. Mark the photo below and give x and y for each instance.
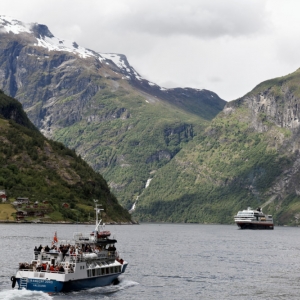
(32, 166)
(124, 126)
(248, 156)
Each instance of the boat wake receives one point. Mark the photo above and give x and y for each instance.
(105, 290)
(23, 295)
(122, 285)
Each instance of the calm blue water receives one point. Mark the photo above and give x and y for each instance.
(174, 261)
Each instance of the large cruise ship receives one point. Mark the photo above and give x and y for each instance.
(253, 219)
(89, 260)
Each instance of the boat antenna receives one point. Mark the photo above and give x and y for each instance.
(97, 212)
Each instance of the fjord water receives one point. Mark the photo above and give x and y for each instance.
(173, 261)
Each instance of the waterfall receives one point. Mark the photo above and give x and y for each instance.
(137, 198)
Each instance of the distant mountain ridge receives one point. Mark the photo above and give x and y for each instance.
(123, 125)
(39, 35)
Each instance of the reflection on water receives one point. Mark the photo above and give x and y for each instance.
(173, 261)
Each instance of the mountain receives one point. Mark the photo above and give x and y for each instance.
(123, 125)
(43, 170)
(247, 156)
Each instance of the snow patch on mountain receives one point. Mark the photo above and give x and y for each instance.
(55, 44)
(116, 59)
(119, 61)
(45, 39)
(9, 24)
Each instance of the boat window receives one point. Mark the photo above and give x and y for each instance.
(93, 271)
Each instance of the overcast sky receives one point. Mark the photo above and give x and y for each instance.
(226, 46)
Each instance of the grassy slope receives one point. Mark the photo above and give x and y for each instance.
(120, 148)
(6, 211)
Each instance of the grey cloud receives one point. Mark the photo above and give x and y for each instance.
(202, 19)
(215, 79)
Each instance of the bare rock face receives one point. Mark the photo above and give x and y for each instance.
(284, 112)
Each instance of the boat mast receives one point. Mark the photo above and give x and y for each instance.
(97, 212)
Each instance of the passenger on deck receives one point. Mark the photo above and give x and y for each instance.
(51, 269)
(64, 250)
(53, 250)
(47, 248)
(39, 248)
(39, 268)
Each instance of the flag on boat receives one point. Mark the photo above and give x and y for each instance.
(55, 240)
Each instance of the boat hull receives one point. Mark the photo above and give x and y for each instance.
(251, 225)
(54, 286)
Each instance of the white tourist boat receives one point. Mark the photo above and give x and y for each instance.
(89, 260)
(253, 219)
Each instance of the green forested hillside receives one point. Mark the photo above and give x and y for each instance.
(247, 156)
(32, 166)
(134, 139)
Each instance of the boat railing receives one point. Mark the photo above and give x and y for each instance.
(87, 256)
(27, 270)
(74, 258)
(43, 271)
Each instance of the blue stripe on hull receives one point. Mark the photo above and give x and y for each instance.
(47, 286)
(53, 286)
(91, 282)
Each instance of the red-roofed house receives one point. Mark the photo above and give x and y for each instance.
(3, 196)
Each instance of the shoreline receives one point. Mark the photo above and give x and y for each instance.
(65, 223)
